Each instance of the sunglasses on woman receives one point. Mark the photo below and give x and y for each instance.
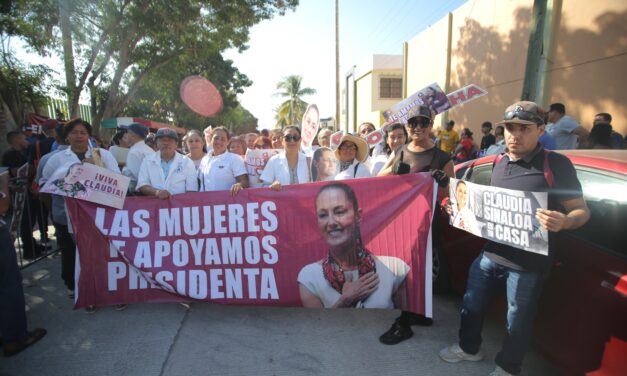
(291, 138)
(418, 122)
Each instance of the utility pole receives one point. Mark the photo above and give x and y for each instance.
(337, 63)
(535, 52)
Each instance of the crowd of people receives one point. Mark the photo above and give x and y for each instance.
(162, 164)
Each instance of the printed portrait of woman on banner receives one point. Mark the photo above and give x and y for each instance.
(462, 216)
(323, 165)
(350, 276)
(70, 184)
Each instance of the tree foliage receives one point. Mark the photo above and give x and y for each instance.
(112, 47)
(291, 111)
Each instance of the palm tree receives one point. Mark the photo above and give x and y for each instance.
(291, 111)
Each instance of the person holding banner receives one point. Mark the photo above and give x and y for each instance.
(528, 167)
(351, 154)
(288, 167)
(76, 133)
(166, 172)
(419, 155)
(221, 170)
(350, 276)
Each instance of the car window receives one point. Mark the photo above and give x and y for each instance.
(606, 196)
(481, 174)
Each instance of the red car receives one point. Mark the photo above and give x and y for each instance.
(581, 325)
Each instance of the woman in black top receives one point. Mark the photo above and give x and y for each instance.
(419, 155)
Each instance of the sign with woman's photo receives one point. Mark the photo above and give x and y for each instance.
(255, 161)
(431, 96)
(502, 215)
(86, 181)
(325, 244)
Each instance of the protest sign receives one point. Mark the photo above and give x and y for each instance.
(335, 139)
(309, 126)
(89, 182)
(502, 215)
(260, 246)
(465, 95)
(431, 96)
(323, 165)
(255, 161)
(19, 197)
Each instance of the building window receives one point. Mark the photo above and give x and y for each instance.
(391, 88)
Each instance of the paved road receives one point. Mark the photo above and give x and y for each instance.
(209, 339)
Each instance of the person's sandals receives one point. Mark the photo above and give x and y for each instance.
(120, 307)
(12, 348)
(90, 309)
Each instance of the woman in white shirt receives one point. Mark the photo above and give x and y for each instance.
(166, 172)
(290, 166)
(220, 169)
(351, 154)
(195, 144)
(76, 133)
(349, 275)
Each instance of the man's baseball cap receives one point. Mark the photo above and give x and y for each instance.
(139, 129)
(523, 112)
(167, 132)
(420, 111)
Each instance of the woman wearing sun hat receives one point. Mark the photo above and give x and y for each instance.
(351, 154)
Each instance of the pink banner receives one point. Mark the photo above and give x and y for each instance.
(262, 246)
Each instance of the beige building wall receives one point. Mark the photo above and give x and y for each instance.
(489, 40)
(489, 48)
(426, 60)
(589, 66)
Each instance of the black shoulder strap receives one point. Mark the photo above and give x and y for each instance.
(355, 172)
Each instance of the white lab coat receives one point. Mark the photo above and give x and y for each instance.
(181, 177)
(277, 169)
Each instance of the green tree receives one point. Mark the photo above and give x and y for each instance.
(113, 46)
(22, 85)
(291, 111)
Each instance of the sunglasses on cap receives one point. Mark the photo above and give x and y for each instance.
(418, 122)
(291, 138)
(523, 115)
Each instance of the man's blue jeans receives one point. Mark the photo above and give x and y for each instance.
(486, 279)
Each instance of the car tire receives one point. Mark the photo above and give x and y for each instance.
(440, 272)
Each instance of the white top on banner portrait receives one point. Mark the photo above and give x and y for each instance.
(502, 215)
(86, 181)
